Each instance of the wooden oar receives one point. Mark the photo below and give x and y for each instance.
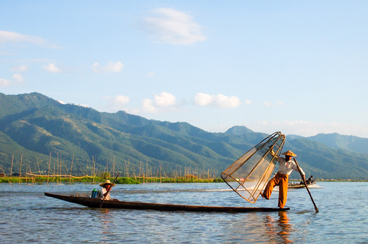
(305, 183)
(107, 192)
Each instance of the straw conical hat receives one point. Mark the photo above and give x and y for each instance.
(289, 153)
(107, 182)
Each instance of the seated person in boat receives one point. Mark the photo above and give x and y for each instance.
(105, 191)
(310, 180)
(286, 166)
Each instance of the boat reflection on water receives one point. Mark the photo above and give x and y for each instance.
(258, 228)
(105, 219)
(278, 230)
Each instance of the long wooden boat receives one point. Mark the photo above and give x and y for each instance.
(298, 185)
(95, 203)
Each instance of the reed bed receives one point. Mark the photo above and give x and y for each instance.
(57, 170)
(32, 179)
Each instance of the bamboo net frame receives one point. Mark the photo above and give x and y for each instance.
(248, 175)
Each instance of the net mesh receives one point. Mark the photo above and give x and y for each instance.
(248, 175)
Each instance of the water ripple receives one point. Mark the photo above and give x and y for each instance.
(31, 217)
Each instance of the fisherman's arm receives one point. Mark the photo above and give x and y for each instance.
(300, 170)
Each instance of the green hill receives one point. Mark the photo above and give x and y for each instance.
(334, 140)
(36, 126)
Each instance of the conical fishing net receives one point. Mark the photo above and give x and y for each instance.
(248, 175)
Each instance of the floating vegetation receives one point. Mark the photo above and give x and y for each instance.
(36, 179)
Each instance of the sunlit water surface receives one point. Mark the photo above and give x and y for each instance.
(29, 216)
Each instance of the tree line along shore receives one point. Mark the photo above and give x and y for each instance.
(65, 179)
(33, 179)
(59, 172)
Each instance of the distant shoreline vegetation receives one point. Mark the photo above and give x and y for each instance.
(128, 180)
(336, 180)
(93, 180)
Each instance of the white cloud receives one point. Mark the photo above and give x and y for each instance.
(202, 99)
(162, 102)
(165, 99)
(151, 74)
(7, 36)
(4, 82)
(52, 68)
(227, 102)
(121, 100)
(148, 106)
(117, 103)
(18, 77)
(110, 67)
(174, 27)
(222, 101)
(13, 37)
(248, 102)
(20, 68)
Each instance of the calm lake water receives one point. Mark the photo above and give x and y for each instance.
(29, 216)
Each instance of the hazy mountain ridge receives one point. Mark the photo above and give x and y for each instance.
(35, 125)
(335, 140)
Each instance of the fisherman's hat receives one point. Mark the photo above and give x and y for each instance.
(289, 153)
(107, 182)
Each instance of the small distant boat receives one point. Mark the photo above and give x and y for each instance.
(95, 203)
(300, 185)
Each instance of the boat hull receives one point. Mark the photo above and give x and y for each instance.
(296, 186)
(95, 203)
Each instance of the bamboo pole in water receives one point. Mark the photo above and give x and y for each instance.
(127, 168)
(20, 167)
(140, 168)
(71, 168)
(57, 167)
(160, 172)
(32, 177)
(60, 170)
(113, 167)
(11, 167)
(48, 170)
(80, 167)
(94, 169)
(38, 164)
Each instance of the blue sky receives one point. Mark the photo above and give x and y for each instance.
(299, 67)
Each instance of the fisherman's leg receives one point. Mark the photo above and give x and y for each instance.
(283, 188)
(269, 188)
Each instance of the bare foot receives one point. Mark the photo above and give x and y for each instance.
(263, 196)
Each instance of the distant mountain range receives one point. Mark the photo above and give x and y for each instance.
(36, 126)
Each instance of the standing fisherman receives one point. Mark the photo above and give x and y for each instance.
(286, 166)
